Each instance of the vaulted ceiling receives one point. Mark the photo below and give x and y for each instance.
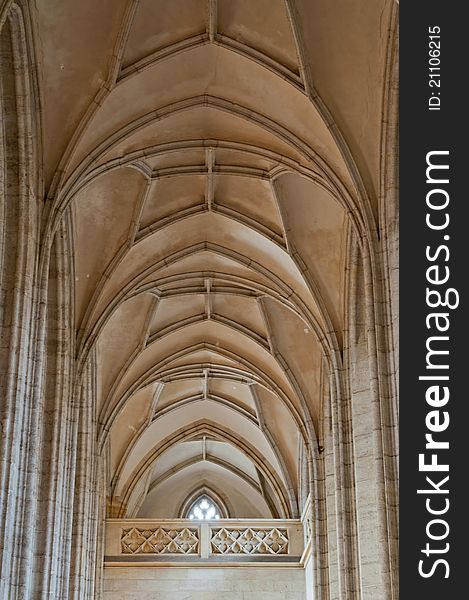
(213, 154)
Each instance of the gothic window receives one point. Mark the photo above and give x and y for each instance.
(204, 508)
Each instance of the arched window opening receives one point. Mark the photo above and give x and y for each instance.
(204, 509)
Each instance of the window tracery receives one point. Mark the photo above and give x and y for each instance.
(203, 509)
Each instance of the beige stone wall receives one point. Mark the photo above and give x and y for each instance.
(204, 583)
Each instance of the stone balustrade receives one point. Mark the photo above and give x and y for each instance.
(183, 540)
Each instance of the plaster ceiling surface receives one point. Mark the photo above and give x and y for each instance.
(211, 157)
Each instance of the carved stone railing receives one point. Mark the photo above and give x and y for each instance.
(247, 540)
(160, 540)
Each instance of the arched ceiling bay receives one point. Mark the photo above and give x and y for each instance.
(210, 196)
(344, 45)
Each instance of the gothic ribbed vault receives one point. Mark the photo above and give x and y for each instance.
(211, 201)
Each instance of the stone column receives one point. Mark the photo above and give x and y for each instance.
(21, 361)
(58, 422)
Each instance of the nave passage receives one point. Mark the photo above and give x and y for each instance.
(199, 295)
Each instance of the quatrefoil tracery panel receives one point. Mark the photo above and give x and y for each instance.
(160, 541)
(249, 541)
